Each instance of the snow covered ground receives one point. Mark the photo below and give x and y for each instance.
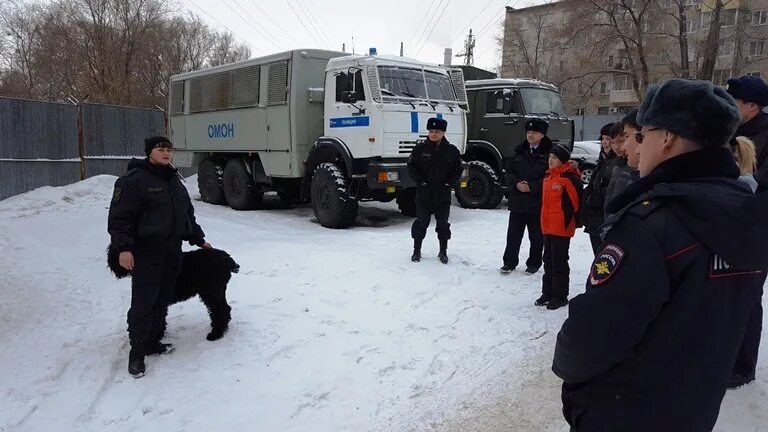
(332, 330)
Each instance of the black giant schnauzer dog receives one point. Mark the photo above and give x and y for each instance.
(204, 272)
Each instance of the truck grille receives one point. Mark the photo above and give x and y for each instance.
(406, 147)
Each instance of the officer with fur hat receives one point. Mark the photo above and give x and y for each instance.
(524, 175)
(651, 344)
(435, 166)
(751, 94)
(150, 215)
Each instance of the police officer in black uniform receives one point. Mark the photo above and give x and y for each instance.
(524, 175)
(150, 215)
(651, 344)
(435, 166)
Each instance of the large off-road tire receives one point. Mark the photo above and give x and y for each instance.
(241, 192)
(333, 206)
(406, 201)
(483, 189)
(209, 181)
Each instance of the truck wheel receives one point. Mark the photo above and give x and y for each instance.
(331, 202)
(209, 181)
(241, 192)
(406, 201)
(483, 189)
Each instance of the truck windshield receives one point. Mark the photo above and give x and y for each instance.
(397, 82)
(542, 101)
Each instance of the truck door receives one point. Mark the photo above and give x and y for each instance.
(505, 131)
(347, 111)
(278, 158)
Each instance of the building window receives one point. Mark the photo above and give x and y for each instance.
(728, 18)
(621, 82)
(706, 20)
(580, 111)
(721, 76)
(756, 48)
(759, 18)
(604, 87)
(602, 110)
(692, 25)
(691, 2)
(754, 74)
(726, 48)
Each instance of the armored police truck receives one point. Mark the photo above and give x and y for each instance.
(499, 109)
(324, 126)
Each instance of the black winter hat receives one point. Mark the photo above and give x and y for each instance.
(693, 109)
(537, 125)
(749, 89)
(435, 123)
(561, 152)
(156, 141)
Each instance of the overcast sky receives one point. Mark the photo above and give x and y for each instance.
(426, 27)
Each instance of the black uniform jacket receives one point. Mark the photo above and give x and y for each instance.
(652, 342)
(434, 169)
(530, 166)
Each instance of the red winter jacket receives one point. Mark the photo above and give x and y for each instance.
(560, 200)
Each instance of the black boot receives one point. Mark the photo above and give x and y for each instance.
(443, 255)
(416, 257)
(158, 347)
(136, 366)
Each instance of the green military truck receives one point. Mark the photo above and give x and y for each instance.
(498, 111)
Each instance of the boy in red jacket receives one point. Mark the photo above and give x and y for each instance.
(560, 202)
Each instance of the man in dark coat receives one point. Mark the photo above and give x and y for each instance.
(524, 175)
(594, 193)
(435, 166)
(150, 215)
(751, 94)
(650, 345)
(625, 172)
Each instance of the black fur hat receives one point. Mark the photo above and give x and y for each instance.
(152, 142)
(537, 125)
(435, 123)
(749, 89)
(693, 109)
(561, 152)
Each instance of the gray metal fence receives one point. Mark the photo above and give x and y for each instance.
(40, 144)
(587, 128)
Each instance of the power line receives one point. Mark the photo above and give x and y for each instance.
(433, 27)
(488, 25)
(223, 25)
(461, 33)
(427, 23)
(423, 17)
(271, 38)
(313, 23)
(280, 27)
(302, 22)
(320, 15)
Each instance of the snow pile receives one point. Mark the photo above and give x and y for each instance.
(333, 330)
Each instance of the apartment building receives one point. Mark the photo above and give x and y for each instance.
(591, 54)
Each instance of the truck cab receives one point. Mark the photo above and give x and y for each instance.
(499, 110)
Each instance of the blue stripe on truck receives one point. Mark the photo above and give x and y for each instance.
(414, 122)
(341, 122)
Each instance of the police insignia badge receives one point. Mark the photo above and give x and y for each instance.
(116, 194)
(606, 264)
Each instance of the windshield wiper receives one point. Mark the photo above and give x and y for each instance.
(389, 93)
(555, 113)
(405, 93)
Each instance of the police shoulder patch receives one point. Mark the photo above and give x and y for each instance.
(606, 264)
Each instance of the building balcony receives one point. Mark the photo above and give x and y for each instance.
(623, 97)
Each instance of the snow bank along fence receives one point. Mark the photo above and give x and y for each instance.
(54, 144)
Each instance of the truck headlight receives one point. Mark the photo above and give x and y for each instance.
(388, 176)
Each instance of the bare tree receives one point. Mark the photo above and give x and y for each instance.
(712, 44)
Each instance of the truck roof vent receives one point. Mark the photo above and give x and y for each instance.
(373, 82)
(457, 79)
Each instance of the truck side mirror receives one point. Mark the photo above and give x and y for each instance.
(348, 97)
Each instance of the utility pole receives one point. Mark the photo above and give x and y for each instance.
(344, 47)
(469, 50)
(401, 49)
